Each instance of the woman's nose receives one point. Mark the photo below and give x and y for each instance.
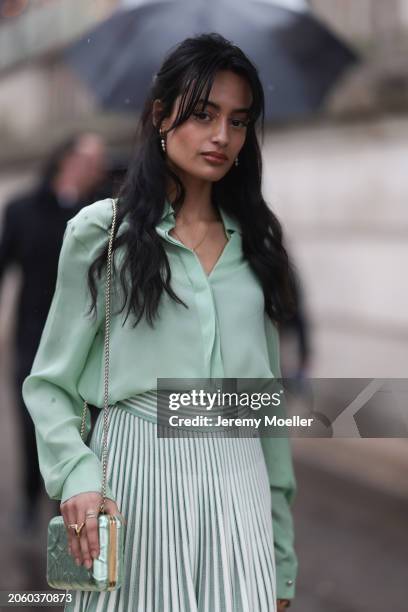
(221, 134)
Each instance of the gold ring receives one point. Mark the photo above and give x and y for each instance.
(77, 528)
(78, 531)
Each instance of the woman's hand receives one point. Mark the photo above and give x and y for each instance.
(84, 548)
(283, 604)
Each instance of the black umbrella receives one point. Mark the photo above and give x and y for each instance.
(298, 59)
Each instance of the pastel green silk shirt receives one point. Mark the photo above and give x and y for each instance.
(223, 333)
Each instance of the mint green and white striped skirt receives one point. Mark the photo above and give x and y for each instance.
(199, 533)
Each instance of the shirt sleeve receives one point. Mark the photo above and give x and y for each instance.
(278, 459)
(68, 466)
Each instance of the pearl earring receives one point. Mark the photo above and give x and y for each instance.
(236, 161)
(162, 141)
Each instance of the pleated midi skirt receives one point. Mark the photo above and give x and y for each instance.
(199, 532)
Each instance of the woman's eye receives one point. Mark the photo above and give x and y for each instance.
(201, 115)
(205, 117)
(239, 123)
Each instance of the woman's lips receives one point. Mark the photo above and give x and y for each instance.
(214, 159)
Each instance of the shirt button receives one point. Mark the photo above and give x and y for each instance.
(289, 582)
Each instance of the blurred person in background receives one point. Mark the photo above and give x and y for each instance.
(32, 231)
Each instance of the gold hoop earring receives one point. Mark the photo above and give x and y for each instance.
(236, 161)
(162, 141)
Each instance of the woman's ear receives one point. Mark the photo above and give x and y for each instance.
(157, 110)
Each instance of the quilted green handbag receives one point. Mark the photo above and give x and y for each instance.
(106, 572)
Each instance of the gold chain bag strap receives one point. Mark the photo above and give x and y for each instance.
(106, 572)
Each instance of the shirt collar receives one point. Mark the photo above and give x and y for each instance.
(168, 219)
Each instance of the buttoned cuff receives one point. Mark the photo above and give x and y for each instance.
(285, 584)
(85, 478)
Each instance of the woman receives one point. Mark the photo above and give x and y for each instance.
(199, 262)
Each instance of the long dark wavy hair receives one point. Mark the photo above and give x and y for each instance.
(189, 71)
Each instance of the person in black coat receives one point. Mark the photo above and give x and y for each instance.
(32, 231)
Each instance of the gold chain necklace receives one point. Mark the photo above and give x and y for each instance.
(197, 245)
(202, 239)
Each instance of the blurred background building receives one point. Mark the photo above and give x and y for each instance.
(336, 181)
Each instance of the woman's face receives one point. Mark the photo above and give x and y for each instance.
(218, 128)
